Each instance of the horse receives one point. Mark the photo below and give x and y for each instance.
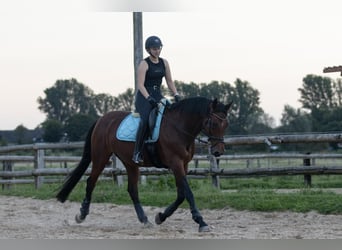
(181, 123)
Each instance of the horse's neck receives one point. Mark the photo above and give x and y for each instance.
(194, 125)
(189, 125)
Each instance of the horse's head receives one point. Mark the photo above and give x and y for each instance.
(215, 125)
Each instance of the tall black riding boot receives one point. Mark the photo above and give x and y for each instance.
(140, 138)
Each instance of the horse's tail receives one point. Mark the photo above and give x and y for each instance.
(74, 177)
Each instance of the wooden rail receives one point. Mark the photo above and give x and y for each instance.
(39, 159)
(333, 69)
(283, 139)
(243, 172)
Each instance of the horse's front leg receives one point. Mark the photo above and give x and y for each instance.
(183, 192)
(196, 215)
(161, 217)
(133, 175)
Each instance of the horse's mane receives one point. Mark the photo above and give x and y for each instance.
(193, 105)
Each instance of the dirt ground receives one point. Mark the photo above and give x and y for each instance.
(25, 218)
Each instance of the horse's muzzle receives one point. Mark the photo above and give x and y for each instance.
(217, 154)
(217, 149)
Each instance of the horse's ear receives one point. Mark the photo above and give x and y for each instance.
(213, 104)
(228, 106)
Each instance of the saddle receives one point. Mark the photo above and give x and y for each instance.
(127, 129)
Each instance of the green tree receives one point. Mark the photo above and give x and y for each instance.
(317, 92)
(220, 90)
(187, 89)
(53, 130)
(78, 126)
(3, 142)
(327, 120)
(21, 134)
(65, 99)
(338, 92)
(263, 125)
(212, 90)
(104, 103)
(294, 120)
(246, 111)
(125, 100)
(322, 97)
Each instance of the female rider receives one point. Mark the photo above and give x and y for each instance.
(151, 71)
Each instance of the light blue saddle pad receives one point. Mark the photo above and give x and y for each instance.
(128, 127)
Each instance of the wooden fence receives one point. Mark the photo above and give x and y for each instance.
(115, 169)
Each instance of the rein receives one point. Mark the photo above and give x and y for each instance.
(210, 137)
(182, 130)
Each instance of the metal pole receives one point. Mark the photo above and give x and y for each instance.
(138, 55)
(138, 45)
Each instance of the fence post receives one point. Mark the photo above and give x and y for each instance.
(307, 177)
(39, 163)
(119, 165)
(196, 163)
(214, 163)
(6, 166)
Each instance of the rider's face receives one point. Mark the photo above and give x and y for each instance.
(155, 51)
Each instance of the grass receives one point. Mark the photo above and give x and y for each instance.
(254, 194)
(282, 182)
(303, 201)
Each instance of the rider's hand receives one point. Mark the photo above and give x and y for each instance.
(177, 97)
(152, 101)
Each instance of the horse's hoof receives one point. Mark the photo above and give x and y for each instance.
(157, 219)
(148, 224)
(204, 229)
(79, 219)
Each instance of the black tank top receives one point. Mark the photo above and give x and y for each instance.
(155, 73)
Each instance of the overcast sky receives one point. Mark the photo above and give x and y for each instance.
(271, 44)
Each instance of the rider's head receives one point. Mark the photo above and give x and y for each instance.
(153, 43)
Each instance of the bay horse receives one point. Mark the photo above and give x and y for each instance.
(181, 123)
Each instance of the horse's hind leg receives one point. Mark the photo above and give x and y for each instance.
(91, 183)
(84, 210)
(133, 177)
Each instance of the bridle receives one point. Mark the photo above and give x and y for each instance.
(208, 127)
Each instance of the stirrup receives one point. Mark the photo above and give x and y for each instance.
(137, 158)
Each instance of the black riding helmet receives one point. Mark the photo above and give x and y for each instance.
(153, 42)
